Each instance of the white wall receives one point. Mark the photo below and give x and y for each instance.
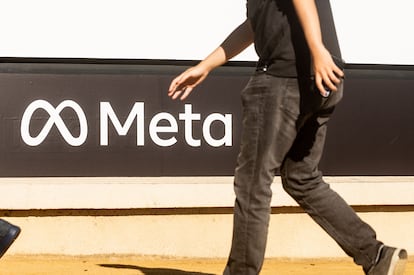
(172, 192)
(375, 31)
(370, 31)
(178, 234)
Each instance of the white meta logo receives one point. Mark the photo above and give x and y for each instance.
(54, 119)
(162, 127)
(137, 113)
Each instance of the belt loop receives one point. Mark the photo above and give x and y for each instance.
(262, 67)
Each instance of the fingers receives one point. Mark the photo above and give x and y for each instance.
(186, 92)
(181, 93)
(184, 84)
(338, 72)
(179, 89)
(319, 85)
(174, 86)
(329, 80)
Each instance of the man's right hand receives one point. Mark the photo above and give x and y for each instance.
(236, 42)
(183, 85)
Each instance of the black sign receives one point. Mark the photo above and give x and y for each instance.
(117, 120)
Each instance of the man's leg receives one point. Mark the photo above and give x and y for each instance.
(303, 181)
(268, 133)
(8, 233)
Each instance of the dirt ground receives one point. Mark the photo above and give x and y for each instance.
(103, 265)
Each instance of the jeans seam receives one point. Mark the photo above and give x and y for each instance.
(309, 206)
(253, 175)
(349, 246)
(327, 224)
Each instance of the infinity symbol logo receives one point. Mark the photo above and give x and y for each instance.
(54, 119)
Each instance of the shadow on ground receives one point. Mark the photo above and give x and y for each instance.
(154, 271)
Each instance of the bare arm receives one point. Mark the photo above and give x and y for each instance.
(324, 67)
(235, 43)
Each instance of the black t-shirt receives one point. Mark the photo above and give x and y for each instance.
(279, 39)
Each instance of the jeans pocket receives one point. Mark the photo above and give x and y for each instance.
(291, 97)
(335, 97)
(256, 89)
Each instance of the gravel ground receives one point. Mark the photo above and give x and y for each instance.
(106, 264)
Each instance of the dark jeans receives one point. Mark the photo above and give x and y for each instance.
(284, 128)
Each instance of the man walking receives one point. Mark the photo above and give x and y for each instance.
(286, 106)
